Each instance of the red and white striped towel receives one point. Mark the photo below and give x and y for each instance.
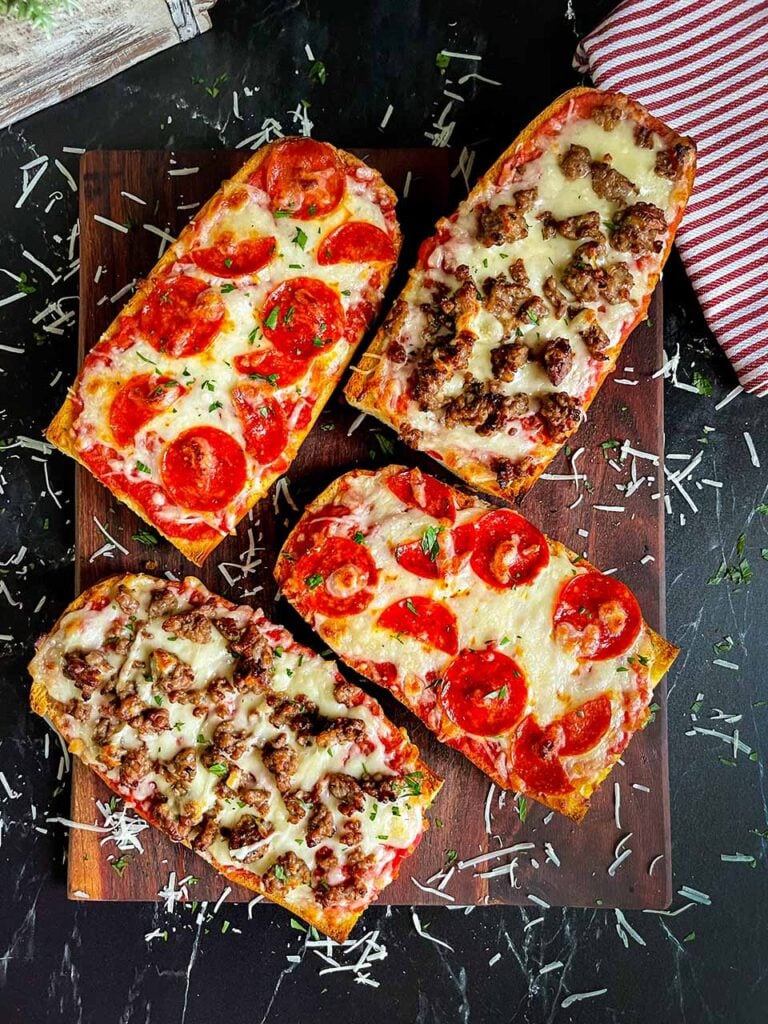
(702, 66)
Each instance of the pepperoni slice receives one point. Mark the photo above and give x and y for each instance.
(203, 469)
(228, 258)
(181, 316)
(413, 558)
(509, 551)
(536, 759)
(151, 497)
(138, 401)
(276, 368)
(311, 529)
(585, 726)
(597, 617)
(305, 177)
(339, 577)
(424, 619)
(264, 423)
(419, 490)
(484, 692)
(301, 316)
(356, 242)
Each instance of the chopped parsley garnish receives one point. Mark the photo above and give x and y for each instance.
(270, 378)
(442, 60)
(145, 360)
(762, 508)
(142, 467)
(653, 708)
(146, 537)
(217, 768)
(438, 822)
(297, 927)
(314, 580)
(532, 317)
(429, 542)
(24, 285)
(214, 406)
(227, 288)
(214, 88)
(451, 856)
(608, 445)
(318, 73)
(412, 782)
(374, 812)
(271, 321)
(280, 873)
(227, 263)
(499, 694)
(359, 538)
(724, 645)
(300, 238)
(387, 447)
(208, 385)
(411, 606)
(741, 572)
(158, 700)
(253, 335)
(119, 866)
(702, 384)
(522, 808)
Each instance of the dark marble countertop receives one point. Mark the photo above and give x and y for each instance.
(126, 963)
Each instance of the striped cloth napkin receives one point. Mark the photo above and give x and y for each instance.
(702, 66)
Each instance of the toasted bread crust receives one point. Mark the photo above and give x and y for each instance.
(366, 389)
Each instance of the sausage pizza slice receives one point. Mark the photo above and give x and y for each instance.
(231, 738)
(520, 303)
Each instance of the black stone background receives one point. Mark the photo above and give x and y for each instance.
(61, 961)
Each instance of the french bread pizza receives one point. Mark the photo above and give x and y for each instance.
(508, 646)
(231, 738)
(520, 303)
(199, 394)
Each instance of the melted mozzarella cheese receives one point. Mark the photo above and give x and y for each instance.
(210, 376)
(542, 258)
(517, 621)
(386, 827)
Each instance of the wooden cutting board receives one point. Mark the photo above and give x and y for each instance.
(466, 808)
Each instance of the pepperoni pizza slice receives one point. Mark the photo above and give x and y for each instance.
(520, 303)
(508, 646)
(231, 738)
(200, 393)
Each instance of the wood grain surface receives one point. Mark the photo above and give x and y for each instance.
(466, 807)
(98, 40)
